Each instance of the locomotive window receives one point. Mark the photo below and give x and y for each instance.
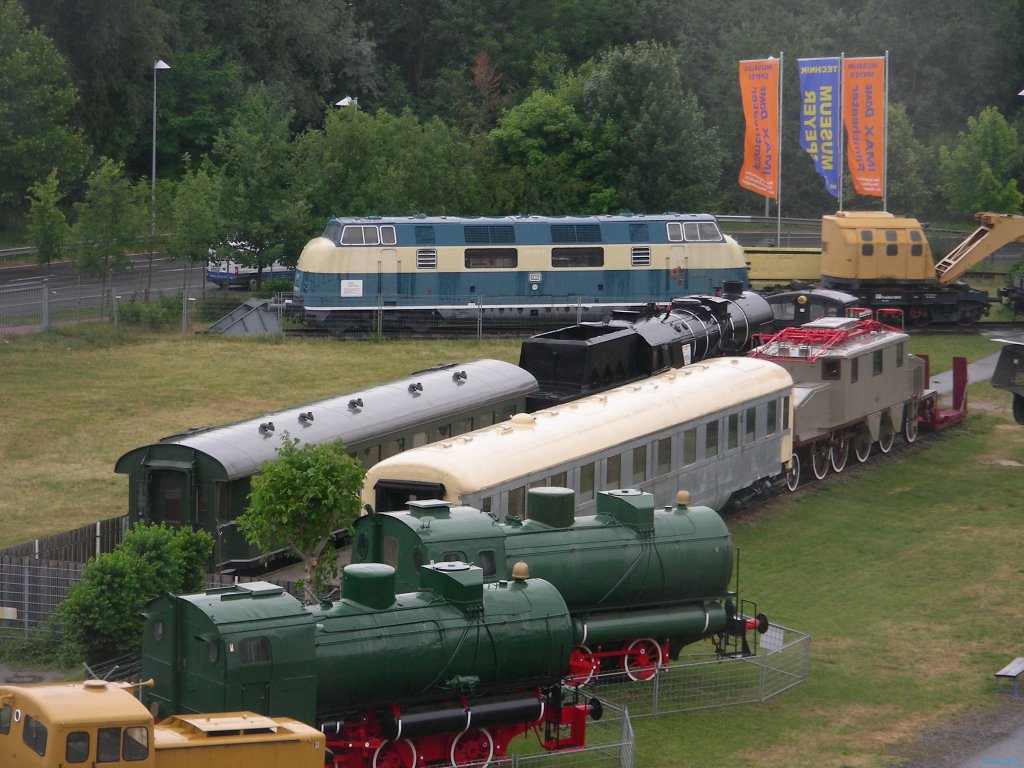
(916, 246)
(867, 247)
(785, 413)
(577, 257)
(517, 502)
(418, 439)
(440, 433)
(690, 446)
(76, 748)
(587, 482)
(663, 455)
(332, 231)
(371, 455)
(417, 559)
(212, 651)
(355, 235)
(640, 256)
(772, 423)
(158, 630)
(484, 420)
(136, 743)
(899, 355)
(891, 250)
(854, 370)
(485, 506)
(876, 363)
(711, 439)
(487, 562)
(890, 235)
(387, 235)
(613, 471)
(454, 557)
(639, 463)
(254, 650)
(492, 258)
(733, 431)
(559, 480)
(34, 735)
(396, 446)
(5, 719)
(675, 231)
(464, 426)
(701, 231)
(831, 370)
(751, 425)
(108, 745)
(362, 546)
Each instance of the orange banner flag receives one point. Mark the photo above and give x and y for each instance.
(864, 105)
(759, 89)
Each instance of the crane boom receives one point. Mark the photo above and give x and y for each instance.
(994, 231)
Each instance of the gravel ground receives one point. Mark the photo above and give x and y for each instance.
(958, 743)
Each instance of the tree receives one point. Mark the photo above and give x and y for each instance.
(196, 219)
(978, 171)
(260, 198)
(109, 222)
(298, 500)
(48, 228)
(100, 617)
(35, 102)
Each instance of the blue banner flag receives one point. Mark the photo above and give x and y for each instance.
(820, 123)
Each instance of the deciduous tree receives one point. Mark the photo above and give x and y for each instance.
(48, 229)
(979, 170)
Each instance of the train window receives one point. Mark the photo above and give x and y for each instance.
(876, 363)
(577, 257)
(253, 650)
(663, 455)
(492, 258)
(586, 482)
(613, 471)
(639, 463)
(418, 439)
(108, 745)
(690, 446)
(485, 506)
(487, 562)
(675, 231)
(732, 431)
(916, 246)
(396, 446)
(464, 426)
(454, 556)
(332, 231)
(854, 370)
(701, 231)
(212, 651)
(559, 480)
(440, 433)
(891, 250)
(371, 455)
(76, 747)
(711, 439)
(136, 743)
(426, 258)
(484, 420)
(899, 355)
(867, 247)
(34, 735)
(517, 502)
(785, 413)
(387, 235)
(772, 421)
(158, 631)
(750, 425)
(831, 370)
(5, 719)
(640, 256)
(358, 235)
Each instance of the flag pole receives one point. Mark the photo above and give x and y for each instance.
(842, 130)
(778, 164)
(885, 139)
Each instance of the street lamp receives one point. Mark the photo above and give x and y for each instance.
(157, 65)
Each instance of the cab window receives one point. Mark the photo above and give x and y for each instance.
(34, 735)
(76, 749)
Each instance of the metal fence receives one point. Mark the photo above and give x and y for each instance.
(609, 745)
(75, 546)
(704, 681)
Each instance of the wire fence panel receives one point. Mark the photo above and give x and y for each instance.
(609, 745)
(30, 590)
(706, 681)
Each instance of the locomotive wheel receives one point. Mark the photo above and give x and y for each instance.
(642, 660)
(910, 428)
(919, 316)
(862, 445)
(968, 318)
(839, 452)
(474, 747)
(820, 458)
(886, 436)
(582, 666)
(793, 473)
(395, 754)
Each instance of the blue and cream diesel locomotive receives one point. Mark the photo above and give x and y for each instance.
(521, 268)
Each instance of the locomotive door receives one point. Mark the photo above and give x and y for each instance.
(388, 286)
(678, 278)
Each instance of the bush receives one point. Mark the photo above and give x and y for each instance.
(163, 311)
(101, 616)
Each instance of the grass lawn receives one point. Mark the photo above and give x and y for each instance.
(907, 573)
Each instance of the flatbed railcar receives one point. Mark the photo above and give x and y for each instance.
(201, 478)
(524, 270)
